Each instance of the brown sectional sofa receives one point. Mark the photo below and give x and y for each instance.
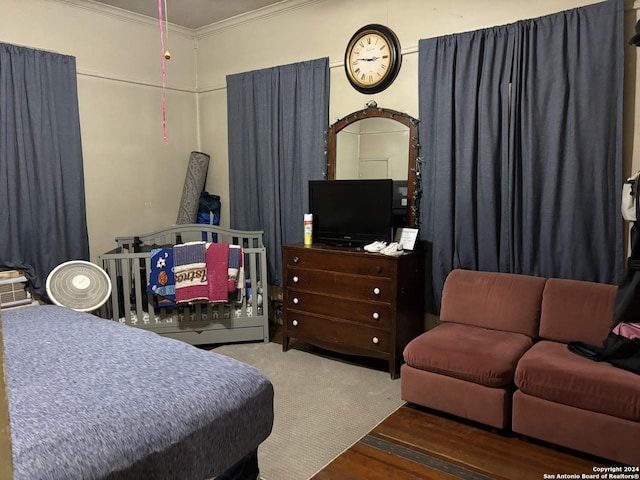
(500, 357)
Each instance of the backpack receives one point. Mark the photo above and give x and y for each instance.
(209, 209)
(209, 213)
(621, 347)
(622, 351)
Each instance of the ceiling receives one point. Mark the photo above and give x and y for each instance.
(191, 14)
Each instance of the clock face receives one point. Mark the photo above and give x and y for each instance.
(372, 59)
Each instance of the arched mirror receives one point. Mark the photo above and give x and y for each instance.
(378, 143)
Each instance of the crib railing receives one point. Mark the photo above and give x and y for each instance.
(129, 267)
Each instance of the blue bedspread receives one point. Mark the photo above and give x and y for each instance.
(90, 398)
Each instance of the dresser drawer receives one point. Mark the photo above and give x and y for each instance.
(373, 313)
(377, 289)
(351, 301)
(335, 261)
(301, 325)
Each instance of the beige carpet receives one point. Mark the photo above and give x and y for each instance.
(322, 407)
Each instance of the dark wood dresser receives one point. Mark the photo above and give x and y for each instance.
(352, 301)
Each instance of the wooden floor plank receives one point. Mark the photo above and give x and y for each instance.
(498, 454)
(476, 449)
(362, 462)
(430, 461)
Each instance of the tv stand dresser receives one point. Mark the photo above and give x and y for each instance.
(351, 301)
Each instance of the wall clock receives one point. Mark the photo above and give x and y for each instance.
(372, 59)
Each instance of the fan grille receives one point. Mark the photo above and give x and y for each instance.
(79, 285)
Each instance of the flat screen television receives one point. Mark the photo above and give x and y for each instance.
(351, 212)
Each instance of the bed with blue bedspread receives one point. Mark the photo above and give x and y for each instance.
(91, 398)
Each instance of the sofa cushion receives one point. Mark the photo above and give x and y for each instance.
(573, 310)
(500, 301)
(550, 371)
(476, 354)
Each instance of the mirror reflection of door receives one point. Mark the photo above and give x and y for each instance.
(373, 167)
(378, 143)
(373, 148)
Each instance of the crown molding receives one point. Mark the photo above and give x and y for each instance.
(124, 15)
(276, 9)
(120, 14)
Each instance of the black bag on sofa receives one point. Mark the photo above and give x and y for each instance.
(627, 305)
(622, 352)
(618, 349)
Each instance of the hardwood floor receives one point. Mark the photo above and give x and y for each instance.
(416, 443)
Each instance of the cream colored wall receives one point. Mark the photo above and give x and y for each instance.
(133, 179)
(319, 28)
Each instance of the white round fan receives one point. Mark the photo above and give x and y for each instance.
(79, 285)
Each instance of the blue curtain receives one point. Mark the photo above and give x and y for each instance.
(277, 122)
(42, 201)
(521, 134)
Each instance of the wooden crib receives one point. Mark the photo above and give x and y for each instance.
(129, 265)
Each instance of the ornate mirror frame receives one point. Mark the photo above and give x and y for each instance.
(413, 172)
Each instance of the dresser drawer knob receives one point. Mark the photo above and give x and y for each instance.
(376, 315)
(375, 340)
(376, 291)
(296, 259)
(295, 300)
(295, 323)
(295, 279)
(378, 269)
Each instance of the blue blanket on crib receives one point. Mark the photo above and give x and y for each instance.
(91, 398)
(162, 280)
